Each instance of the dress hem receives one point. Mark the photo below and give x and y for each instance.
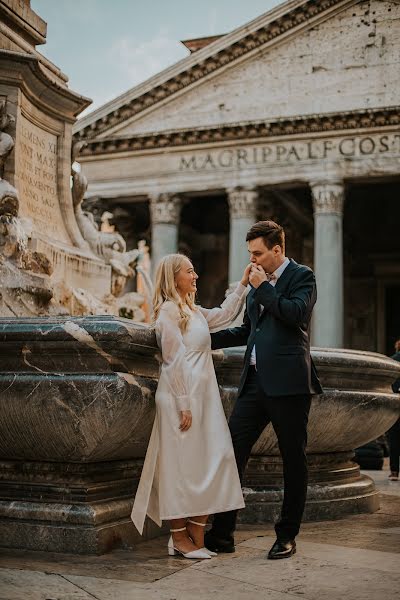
(202, 513)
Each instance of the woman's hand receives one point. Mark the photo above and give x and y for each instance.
(246, 273)
(186, 420)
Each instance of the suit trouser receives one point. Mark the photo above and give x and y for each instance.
(289, 417)
(394, 446)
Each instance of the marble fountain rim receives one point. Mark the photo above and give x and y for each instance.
(24, 325)
(323, 357)
(136, 341)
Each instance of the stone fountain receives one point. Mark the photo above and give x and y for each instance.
(77, 392)
(77, 407)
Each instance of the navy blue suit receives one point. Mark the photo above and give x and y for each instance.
(279, 389)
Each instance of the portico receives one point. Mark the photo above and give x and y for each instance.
(300, 155)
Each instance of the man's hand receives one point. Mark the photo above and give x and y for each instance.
(186, 420)
(257, 276)
(246, 273)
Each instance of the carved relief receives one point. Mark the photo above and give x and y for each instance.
(24, 284)
(6, 140)
(110, 246)
(9, 202)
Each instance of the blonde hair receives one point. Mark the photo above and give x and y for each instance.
(165, 289)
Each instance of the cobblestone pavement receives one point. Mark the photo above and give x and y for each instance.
(357, 558)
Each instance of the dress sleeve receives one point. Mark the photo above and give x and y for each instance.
(223, 315)
(173, 350)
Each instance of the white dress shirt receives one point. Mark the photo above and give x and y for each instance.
(277, 273)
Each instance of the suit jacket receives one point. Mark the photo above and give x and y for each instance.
(281, 333)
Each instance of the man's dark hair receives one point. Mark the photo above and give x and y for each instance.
(271, 233)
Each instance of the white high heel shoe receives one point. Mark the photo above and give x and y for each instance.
(195, 554)
(204, 549)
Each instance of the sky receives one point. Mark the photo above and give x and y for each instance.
(108, 46)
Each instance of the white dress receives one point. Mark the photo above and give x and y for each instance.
(189, 473)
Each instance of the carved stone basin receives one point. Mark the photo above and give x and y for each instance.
(76, 411)
(357, 406)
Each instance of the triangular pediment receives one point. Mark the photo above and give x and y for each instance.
(221, 63)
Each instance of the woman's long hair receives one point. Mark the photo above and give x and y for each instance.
(165, 289)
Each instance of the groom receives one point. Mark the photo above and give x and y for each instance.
(278, 378)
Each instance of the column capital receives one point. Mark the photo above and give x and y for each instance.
(328, 197)
(242, 202)
(165, 208)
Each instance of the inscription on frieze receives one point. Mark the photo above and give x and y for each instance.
(37, 180)
(286, 153)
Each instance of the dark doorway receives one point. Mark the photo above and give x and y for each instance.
(204, 237)
(392, 314)
(371, 265)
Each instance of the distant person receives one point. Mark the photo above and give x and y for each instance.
(394, 431)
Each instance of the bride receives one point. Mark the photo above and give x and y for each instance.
(190, 469)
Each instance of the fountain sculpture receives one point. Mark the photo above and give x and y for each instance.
(53, 259)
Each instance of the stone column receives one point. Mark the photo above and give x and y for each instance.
(328, 199)
(165, 211)
(243, 207)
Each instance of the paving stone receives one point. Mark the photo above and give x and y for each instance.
(146, 563)
(31, 585)
(337, 555)
(186, 585)
(357, 558)
(313, 578)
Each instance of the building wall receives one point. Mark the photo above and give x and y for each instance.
(349, 62)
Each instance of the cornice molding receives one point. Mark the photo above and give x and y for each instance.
(26, 71)
(282, 24)
(310, 124)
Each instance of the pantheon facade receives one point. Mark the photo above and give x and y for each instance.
(294, 116)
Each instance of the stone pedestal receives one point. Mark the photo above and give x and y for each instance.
(165, 209)
(81, 508)
(243, 208)
(328, 199)
(335, 489)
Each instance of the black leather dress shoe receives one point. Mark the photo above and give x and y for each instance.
(282, 549)
(217, 544)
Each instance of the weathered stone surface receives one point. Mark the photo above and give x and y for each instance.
(87, 268)
(88, 412)
(21, 16)
(87, 377)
